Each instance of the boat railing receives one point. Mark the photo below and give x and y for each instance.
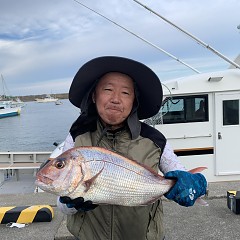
(13, 162)
(12, 157)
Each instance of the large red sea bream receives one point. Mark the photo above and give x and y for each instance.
(103, 177)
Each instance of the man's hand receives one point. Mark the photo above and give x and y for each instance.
(188, 187)
(78, 203)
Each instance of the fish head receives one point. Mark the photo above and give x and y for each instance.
(62, 175)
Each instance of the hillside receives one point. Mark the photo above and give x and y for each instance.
(31, 98)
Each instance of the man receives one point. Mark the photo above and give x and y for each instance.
(114, 93)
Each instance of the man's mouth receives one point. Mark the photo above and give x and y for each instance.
(114, 109)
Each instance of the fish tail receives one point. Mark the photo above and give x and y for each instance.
(197, 170)
(199, 200)
(202, 202)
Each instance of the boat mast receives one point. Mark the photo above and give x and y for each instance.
(134, 34)
(3, 87)
(191, 36)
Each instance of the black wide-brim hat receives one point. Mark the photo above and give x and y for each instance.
(148, 83)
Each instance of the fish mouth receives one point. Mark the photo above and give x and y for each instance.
(43, 179)
(47, 184)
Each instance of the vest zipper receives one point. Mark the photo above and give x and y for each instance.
(114, 141)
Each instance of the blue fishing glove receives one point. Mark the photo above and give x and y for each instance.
(78, 203)
(188, 187)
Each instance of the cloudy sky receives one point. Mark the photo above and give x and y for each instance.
(43, 43)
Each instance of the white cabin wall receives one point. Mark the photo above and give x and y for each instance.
(191, 136)
(188, 135)
(195, 161)
(208, 161)
(202, 134)
(196, 135)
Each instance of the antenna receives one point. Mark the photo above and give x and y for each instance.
(191, 36)
(134, 34)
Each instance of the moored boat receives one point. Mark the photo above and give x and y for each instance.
(17, 102)
(200, 117)
(6, 99)
(9, 111)
(46, 99)
(58, 102)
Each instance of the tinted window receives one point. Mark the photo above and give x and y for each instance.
(185, 109)
(231, 112)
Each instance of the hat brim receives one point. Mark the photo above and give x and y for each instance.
(148, 83)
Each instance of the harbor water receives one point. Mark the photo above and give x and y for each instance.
(37, 127)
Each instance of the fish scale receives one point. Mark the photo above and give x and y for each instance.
(103, 177)
(126, 183)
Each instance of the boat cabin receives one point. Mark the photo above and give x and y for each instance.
(200, 118)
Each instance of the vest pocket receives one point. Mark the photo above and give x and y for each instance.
(155, 230)
(75, 222)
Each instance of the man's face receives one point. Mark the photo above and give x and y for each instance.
(114, 96)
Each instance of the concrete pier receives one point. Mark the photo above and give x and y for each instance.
(198, 222)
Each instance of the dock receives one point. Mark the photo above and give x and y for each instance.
(198, 222)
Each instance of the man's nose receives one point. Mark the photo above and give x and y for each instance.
(116, 97)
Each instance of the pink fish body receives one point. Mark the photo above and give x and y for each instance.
(103, 177)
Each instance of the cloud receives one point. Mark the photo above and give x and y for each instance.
(43, 43)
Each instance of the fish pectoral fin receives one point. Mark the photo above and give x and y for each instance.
(88, 183)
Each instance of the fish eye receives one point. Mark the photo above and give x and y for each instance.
(60, 164)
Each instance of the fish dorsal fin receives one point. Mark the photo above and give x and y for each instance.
(88, 183)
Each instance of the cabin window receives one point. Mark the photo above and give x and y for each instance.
(185, 109)
(231, 112)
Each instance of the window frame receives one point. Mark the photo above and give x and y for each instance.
(226, 116)
(187, 99)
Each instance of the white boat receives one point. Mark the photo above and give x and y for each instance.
(200, 117)
(12, 103)
(17, 102)
(58, 102)
(6, 111)
(46, 99)
(5, 103)
(6, 99)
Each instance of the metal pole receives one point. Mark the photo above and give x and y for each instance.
(190, 35)
(146, 41)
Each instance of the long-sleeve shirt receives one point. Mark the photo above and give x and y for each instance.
(168, 162)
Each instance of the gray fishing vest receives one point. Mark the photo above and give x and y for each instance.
(112, 222)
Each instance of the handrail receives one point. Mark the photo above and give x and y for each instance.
(29, 156)
(196, 136)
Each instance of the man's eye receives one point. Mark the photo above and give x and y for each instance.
(126, 93)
